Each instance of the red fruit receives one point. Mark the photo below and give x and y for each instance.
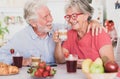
(37, 74)
(66, 55)
(12, 51)
(41, 70)
(42, 64)
(48, 68)
(45, 74)
(111, 66)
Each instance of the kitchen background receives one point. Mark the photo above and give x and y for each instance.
(107, 12)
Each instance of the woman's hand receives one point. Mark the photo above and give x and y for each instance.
(96, 27)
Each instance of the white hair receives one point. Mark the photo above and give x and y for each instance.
(30, 9)
(81, 5)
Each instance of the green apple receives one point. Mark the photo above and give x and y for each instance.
(86, 65)
(96, 68)
(98, 61)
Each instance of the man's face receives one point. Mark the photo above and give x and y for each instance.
(44, 21)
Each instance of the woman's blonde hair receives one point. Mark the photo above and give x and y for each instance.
(30, 9)
(81, 5)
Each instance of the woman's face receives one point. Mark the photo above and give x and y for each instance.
(75, 18)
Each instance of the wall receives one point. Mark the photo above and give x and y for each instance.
(57, 9)
(14, 8)
(113, 14)
(12, 3)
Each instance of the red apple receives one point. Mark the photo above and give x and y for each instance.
(111, 66)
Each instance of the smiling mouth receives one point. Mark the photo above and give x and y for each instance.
(49, 26)
(74, 23)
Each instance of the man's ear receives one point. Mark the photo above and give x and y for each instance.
(33, 23)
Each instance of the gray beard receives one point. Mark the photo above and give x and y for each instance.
(43, 30)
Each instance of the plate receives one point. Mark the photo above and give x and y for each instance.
(41, 77)
(101, 76)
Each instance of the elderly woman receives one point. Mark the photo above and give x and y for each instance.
(79, 41)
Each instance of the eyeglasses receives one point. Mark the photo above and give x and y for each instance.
(73, 16)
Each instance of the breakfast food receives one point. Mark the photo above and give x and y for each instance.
(13, 69)
(111, 66)
(86, 65)
(8, 69)
(98, 66)
(42, 70)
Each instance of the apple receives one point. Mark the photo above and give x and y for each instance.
(96, 68)
(86, 65)
(111, 66)
(98, 61)
(109, 24)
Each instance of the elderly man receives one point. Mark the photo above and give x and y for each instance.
(36, 38)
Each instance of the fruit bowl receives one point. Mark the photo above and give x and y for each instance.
(33, 77)
(41, 71)
(101, 76)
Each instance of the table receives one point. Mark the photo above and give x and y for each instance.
(61, 74)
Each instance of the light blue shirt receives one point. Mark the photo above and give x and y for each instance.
(27, 43)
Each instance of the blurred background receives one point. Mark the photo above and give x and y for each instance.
(12, 21)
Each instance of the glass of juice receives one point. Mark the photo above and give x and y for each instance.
(17, 61)
(71, 63)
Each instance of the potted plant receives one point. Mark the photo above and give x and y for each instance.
(3, 30)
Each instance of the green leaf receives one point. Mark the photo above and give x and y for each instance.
(3, 30)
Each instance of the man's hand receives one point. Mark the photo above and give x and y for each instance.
(96, 27)
(26, 61)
